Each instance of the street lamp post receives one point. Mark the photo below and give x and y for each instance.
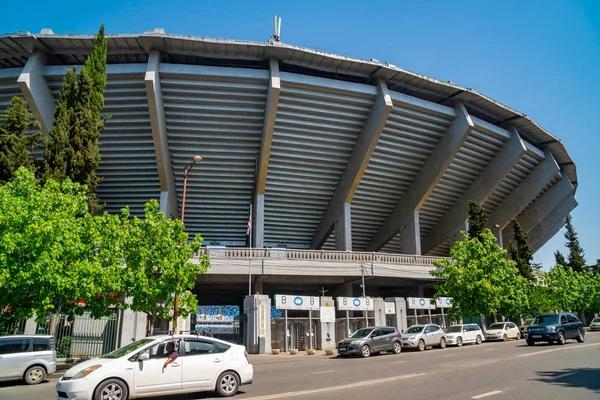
(186, 172)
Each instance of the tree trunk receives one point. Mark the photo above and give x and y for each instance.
(471, 318)
(150, 324)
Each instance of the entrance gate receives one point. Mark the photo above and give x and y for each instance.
(298, 331)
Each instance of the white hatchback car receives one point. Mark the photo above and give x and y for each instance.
(462, 334)
(503, 331)
(136, 370)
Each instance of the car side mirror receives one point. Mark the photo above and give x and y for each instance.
(144, 356)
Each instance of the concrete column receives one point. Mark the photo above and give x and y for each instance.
(552, 224)
(401, 310)
(259, 221)
(36, 90)
(410, 234)
(30, 326)
(343, 228)
(258, 329)
(379, 311)
(132, 326)
(168, 195)
(456, 236)
(328, 339)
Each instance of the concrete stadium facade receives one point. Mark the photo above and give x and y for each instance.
(335, 154)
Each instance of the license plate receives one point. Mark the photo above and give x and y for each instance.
(536, 336)
(342, 349)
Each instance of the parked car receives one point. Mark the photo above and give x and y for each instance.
(523, 327)
(502, 331)
(27, 357)
(367, 341)
(555, 327)
(595, 324)
(137, 370)
(421, 336)
(462, 334)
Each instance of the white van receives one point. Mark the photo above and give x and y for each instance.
(462, 334)
(27, 357)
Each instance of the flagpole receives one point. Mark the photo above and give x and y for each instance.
(250, 252)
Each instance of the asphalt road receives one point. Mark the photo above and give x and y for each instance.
(493, 371)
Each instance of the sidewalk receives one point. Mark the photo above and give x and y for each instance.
(287, 357)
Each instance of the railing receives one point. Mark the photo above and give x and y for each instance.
(244, 253)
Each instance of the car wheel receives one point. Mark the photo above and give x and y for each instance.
(581, 336)
(365, 351)
(504, 337)
(442, 343)
(421, 345)
(459, 341)
(111, 389)
(35, 375)
(561, 338)
(518, 335)
(478, 340)
(227, 384)
(530, 342)
(397, 348)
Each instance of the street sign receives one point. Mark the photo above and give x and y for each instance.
(355, 304)
(390, 307)
(327, 314)
(420, 303)
(443, 302)
(291, 302)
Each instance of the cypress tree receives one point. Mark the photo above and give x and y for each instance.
(560, 259)
(72, 147)
(522, 252)
(477, 220)
(576, 255)
(15, 143)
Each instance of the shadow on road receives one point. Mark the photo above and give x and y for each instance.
(586, 378)
(17, 382)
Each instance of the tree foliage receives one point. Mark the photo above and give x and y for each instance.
(576, 255)
(477, 220)
(15, 141)
(71, 149)
(480, 279)
(50, 251)
(560, 258)
(157, 256)
(521, 252)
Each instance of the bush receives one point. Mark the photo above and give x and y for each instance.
(63, 347)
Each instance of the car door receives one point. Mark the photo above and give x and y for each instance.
(202, 364)
(149, 376)
(565, 326)
(573, 323)
(468, 334)
(431, 338)
(513, 330)
(15, 356)
(386, 338)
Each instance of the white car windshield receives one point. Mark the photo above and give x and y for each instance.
(496, 326)
(131, 347)
(454, 329)
(414, 329)
(596, 320)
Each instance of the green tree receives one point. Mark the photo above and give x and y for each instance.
(15, 141)
(52, 255)
(480, 279)
(540, 296)
(71, 150)
(560, 258)
(570, 289)
(477, 220)
(157, 256)
(521, 252)
(576, 255)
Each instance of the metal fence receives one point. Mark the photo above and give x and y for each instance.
(74, 337)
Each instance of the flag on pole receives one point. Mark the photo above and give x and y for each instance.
(249, 222)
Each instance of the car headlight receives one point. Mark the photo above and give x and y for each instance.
(552, 328)
(411, 338)
(85, 372)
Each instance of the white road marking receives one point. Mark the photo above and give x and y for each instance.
(398, 362)
(333, 388)
(481, 396)
(324, 372)
(579, 346)
(449, 355)
(490, 349)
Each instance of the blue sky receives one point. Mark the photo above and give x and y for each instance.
(539, 57)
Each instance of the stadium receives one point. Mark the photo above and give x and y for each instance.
(357, 171)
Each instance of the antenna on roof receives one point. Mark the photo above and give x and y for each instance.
(276, 28)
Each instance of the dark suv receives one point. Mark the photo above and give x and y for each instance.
(555, 327)
(367, 341)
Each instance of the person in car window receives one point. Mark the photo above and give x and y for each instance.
(171, 354)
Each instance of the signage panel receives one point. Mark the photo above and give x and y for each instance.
(355, 304)
(327, 314)
(291, 302)
(390, 307)
(444, 302)
(420, 303)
